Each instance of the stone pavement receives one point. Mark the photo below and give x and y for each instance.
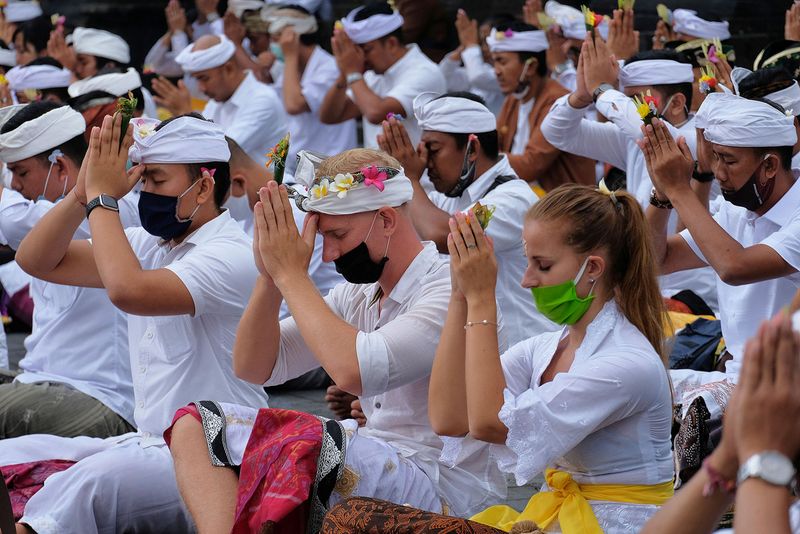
(310, 401)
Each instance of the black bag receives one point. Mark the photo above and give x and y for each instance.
(696, 346)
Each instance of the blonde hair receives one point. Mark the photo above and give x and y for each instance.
(355, 160)
(616, 224)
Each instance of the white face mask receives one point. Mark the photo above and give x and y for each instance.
(239, 208)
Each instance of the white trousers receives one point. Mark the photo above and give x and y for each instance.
(120, 484)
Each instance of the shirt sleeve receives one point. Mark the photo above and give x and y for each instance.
(18, 216)
(402, 350)
(415, 82)
(262, 123)
(511, 201)
(786, 242)
(566, 129)
(546, 422)
(720, 217)
(454, 74)
(480, 74)
(219, 279)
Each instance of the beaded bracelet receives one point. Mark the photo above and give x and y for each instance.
(716, 482)
(485, 322)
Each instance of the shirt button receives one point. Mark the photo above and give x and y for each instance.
(378, 405)
(141, 404)
(149, 335)
(142, 369)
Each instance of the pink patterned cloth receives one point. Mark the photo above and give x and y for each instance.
(24, 480)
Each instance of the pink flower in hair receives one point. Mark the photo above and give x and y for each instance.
(374, 177)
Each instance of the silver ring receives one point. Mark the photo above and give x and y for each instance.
(472, 246)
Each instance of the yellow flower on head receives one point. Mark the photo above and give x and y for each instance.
(321, 189)
(342, 183)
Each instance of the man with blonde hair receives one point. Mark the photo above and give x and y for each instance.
(375, 335)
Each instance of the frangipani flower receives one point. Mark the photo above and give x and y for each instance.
(321, 189)
(144, 128)
(342, 183)
(374, 177)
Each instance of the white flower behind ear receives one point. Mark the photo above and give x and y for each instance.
(342, 183)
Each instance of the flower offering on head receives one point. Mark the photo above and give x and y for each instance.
(277, 158)
(374, 177)
(708, 82)
(664, 13)
(626, 4)
(647, 106)
(341, 184)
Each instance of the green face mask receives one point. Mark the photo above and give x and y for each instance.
(560, 303)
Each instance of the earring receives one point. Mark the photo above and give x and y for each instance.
(591, 280)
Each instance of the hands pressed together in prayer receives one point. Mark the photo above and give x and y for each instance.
(175, 98)
(596, 65)
(530, 12)
(669, 163)
(176, 17)
(623, 40)
(473, 266)
(663, 35)
(234, 28)
(396, 142)
(58, 49)
(349, 56)
(280, 251)
(289, 41)
(104, 168)
(791, 29)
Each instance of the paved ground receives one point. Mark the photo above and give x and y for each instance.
(310, 401)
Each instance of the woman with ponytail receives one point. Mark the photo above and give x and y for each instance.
(588, 405)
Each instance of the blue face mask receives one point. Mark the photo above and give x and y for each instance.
(276, 49)
(159, 214)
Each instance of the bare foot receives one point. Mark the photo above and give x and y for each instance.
(339, 402)
(356, 413)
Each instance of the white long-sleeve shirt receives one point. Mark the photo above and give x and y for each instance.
(614, 142)
(475, 76)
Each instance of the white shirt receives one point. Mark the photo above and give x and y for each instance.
(523, 133)
(614, 142)
(605, 421)
(511, 200)
(476, 76)
(181, 358)
(396, 345)
(308, 133)
(161, 59)
(253, 117)
(78, 337)
(3, 349)
(411, 75)
(743, 308)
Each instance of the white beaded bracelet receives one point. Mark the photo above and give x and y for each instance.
(485, 322)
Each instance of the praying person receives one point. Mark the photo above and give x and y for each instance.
(183, 278)
(460, 152)
(750, 242)
(30, 39)
(519, 58)
(309, 72)
(379, 76)
(375, 335)
(41, 79)
(76, 377)
(93, 49)
(589, 405)
(668, 79)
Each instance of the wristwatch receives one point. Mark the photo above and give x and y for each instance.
(771, 467)
(102, 201)
(353, 77)
(702, 177)
(602, 88)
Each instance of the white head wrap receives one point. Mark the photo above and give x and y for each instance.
(183, 140)
(712, 103)
(281, 18)
(41, 134)
(371, 28)
(212, 57)
(571, 21)
(238, 7)
(38, 77)
(451, 114)
(8, 58)
(748, 123)
(8, 112)
(115, 83)
(352, 196)
(511, 41)
(655, 72)
(22, 11)
(788, 99)
(687, 22)
(101, 43)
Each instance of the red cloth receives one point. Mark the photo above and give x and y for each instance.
(189, 409)
(24, 480)
(278, 472)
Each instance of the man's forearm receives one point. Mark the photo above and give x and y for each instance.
(430, 221)
(46, 244)
(762, 507)
(116, 262)
(293, 98)
(331, 339)
(373, 107)
(658, 219)
(333, 105)
(258, 338)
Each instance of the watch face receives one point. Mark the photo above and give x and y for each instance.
(776, 469)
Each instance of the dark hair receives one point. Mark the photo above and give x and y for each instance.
(541, 57)
(379, 8)
(74, 149)
(221, 169)
(60, 93)
(35, 31)
(764, 82)
(667, 89)
(103, 62)
(497, 19)
(785, 153)
(490, 145)
(307, 39)
(45, 60)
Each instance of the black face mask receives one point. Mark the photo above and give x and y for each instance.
(467, 173)
(751, 195)
(357, 267)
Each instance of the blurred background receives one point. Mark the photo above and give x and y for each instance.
(754, 23)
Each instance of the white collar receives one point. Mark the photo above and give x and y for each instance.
(789, 204)
(411, 50)
(241, 94)
(409, 284)
(477, 189)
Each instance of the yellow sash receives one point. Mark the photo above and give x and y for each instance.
(568, 501)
